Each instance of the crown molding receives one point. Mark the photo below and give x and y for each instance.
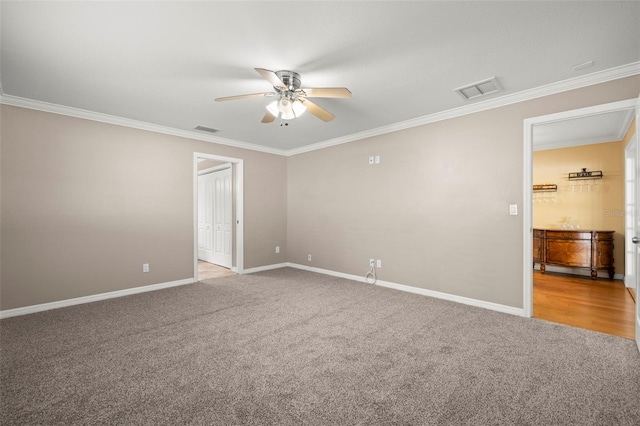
(525, 95)
(120, 121)
(624, 125)
(623, 71)
(574, 142)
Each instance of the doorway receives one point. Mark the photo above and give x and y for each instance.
(529, 127)
(215, 215)
(230, 217)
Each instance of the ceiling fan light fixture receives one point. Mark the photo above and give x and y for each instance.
(273, 108)
(299, 108)
(284, 106)
(288, 108)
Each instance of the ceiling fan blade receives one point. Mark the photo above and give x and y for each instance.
(252, 95)
(325, 92)
(268, 117)
(272, 78)
(319, 112)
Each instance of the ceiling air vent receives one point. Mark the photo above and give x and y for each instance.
(207, 129)
(480, 88)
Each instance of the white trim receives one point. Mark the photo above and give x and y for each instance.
(629, 228)
(525, 95)
(265, 268)
(583, 112)
(238, 181)
(527, 220)
(402, 287)
(626, 123)
(214, 169)
(89, 299)
(625, 106)
(527, 169)
(120, 121)
(577, 142)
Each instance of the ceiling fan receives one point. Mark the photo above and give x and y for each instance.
(291, 100)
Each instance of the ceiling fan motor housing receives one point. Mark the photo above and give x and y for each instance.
(290, 78)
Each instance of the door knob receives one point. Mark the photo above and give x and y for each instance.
(635, 240)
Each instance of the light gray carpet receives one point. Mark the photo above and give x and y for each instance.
(289, 347)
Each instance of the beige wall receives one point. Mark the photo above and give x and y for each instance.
(85, 204)
(435, 210)
(592, 204)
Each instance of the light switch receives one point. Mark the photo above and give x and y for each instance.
(513, 209)
(377, 159)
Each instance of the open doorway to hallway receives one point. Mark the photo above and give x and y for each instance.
(581, 207)
(233, 217)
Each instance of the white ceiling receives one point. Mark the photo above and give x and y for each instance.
(585, 130)
(163, 63)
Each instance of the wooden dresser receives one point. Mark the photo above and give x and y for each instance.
(574, 248)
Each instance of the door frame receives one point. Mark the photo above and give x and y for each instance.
(637, 195)
(527, 205)
(630, 212)
(238, 183)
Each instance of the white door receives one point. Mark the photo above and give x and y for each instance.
(222, 218)
(630, 177)
(205, 217)
(637, 230)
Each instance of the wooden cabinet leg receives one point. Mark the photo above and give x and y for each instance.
(611, 273)
(594, 274)
(542, 268)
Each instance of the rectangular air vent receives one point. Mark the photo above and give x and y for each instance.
(207, 129)
(478, 89)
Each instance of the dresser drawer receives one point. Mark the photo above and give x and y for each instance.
(566, 252)
(603, 235)
(569, 235)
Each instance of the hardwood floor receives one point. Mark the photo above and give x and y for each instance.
(209, 270)
(601, 305)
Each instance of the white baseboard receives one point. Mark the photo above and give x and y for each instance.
(265, 268)
(416, 290)
(93, 298)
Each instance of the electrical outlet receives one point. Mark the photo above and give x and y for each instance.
(309, 258)
(277, 249)
(145, 267)
(372, 262)
(379, 263)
